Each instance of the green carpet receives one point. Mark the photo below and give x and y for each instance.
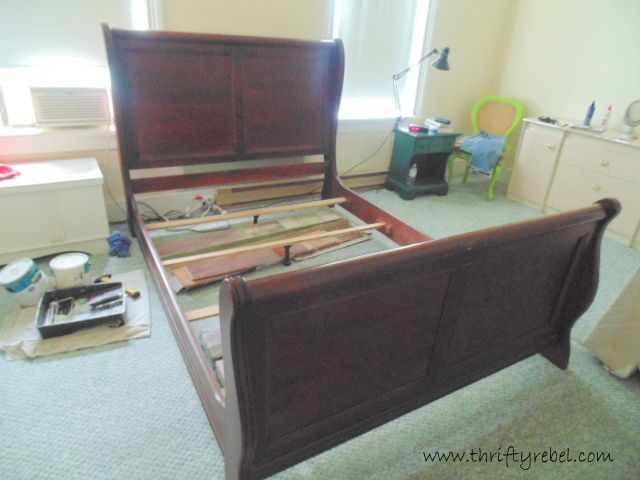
(129, 410)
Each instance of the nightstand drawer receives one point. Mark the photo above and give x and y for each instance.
(435, 144)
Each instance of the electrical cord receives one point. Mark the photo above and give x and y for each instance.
(206, 206)
(106, 183)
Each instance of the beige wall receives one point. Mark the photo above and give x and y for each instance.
(564, 54)
(306, 19)
(478, 33)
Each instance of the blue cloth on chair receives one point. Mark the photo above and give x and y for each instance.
(485, 149)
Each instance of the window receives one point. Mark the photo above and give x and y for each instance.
(58, 43)
(381, 37)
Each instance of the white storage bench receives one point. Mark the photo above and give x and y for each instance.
(53, 206)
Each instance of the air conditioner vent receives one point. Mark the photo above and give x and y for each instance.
(66, 107)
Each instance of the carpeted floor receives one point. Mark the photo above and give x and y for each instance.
(129, 410)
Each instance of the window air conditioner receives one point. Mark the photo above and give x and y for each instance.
(70, 107)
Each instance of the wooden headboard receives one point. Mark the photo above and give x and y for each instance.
(195, 98)
(189, 99)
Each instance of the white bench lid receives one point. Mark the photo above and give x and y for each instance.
(52, 174)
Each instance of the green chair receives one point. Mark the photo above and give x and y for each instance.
(498, 116)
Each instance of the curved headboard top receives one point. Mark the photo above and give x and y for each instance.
(186, 98)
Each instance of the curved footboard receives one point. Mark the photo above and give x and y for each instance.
(318, 356)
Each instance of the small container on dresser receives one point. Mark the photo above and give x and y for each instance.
(559, 168)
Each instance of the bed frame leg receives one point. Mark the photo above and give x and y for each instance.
(287, 255)
(558, 353)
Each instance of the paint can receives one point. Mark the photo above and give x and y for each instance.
(71, 269)
(25, 280)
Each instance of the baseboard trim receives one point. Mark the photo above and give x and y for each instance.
(256, 193)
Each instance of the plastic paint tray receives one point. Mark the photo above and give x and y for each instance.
(113, 317)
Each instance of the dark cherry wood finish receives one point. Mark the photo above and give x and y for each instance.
(318, 356)
(183, 99)
(231, 177)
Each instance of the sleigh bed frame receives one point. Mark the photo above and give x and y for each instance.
(314, 357)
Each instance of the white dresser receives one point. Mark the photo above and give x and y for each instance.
(53, 206)
(560, 168)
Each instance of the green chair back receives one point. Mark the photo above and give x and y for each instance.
(497, 115)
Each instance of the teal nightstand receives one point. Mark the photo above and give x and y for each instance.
(429, 152)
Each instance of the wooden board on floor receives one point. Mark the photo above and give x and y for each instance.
(174, 246)
(173, 263)
(210, 271)
(245, 213)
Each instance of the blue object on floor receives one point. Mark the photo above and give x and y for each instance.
(485, 149)
(119, 244)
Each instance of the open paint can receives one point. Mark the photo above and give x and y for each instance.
(71, 269)
(25, 280)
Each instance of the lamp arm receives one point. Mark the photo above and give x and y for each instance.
(397, 76)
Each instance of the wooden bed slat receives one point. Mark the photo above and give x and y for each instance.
(245, 213)
(227, 178)
(275, 243)
(204, 312)
(247, 234)
(212, 270)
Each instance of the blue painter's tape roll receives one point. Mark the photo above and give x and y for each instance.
(19, 275)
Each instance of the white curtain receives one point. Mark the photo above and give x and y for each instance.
(381, 37)
(54, 43)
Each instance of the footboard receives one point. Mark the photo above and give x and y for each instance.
(318, 356)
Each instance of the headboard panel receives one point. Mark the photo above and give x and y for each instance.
(185, 99)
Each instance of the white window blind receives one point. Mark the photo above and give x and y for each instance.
(57, 43)
(381, 37)
(44, 32)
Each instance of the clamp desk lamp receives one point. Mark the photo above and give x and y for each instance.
(441, 63)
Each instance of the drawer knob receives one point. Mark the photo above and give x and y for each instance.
(605, 163)
(597, 187)
(551, 146)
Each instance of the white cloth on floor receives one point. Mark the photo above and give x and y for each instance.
(20, 338)
(616, 338)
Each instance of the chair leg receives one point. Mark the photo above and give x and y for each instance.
(450, 162)
(495, 178)
(466, 172)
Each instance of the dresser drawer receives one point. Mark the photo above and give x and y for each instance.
(575, 187)
(606, 157)
(535, 163)
(439, 144)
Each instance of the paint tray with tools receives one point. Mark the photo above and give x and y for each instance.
(68, 310)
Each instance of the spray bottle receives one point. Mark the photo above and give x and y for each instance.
(589, 116)
(605, 119)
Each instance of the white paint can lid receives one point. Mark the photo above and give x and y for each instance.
(15, 270)
(68, 261)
